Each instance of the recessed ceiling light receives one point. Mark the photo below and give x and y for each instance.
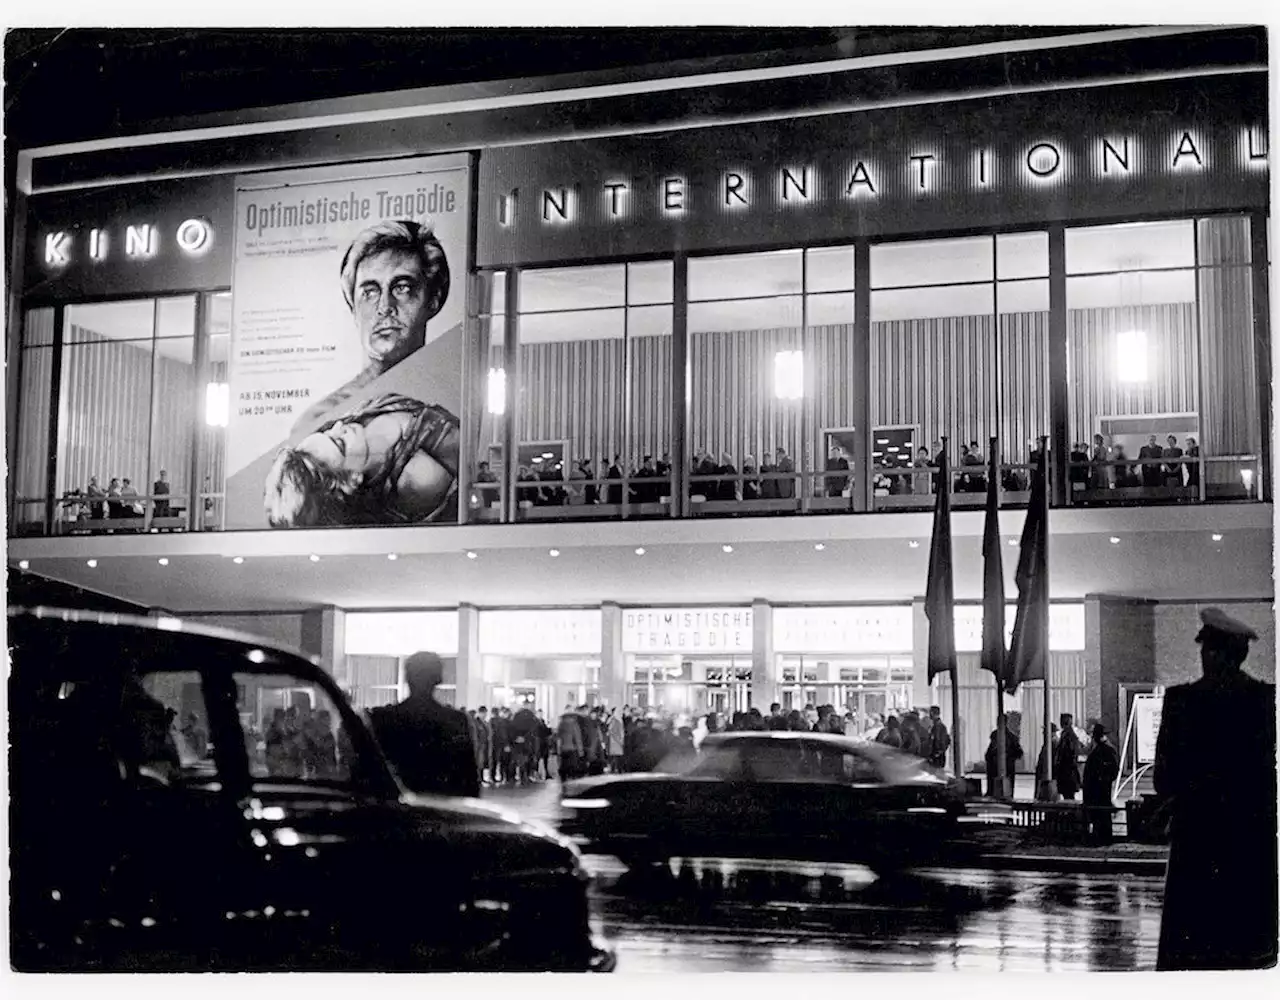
(726, 548)
(392, 556)
(314, 557)
(914, 545)
(238, 560)
(640, 551)
(471, 555)
(819, 547)
(1115, 540)
(1217, 536)
(554, 553)
(92, 563)
(23, 564)
(163, 561)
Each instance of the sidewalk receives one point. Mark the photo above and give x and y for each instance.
(998, 843)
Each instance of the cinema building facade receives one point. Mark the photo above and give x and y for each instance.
(704, 332)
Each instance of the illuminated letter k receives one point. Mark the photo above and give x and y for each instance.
(55, 249)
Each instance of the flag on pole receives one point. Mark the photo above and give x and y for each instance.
(993, 653)
(1028, 655)
(939, 599)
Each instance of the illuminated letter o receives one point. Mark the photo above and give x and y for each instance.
(193, 235)
(1032, 158)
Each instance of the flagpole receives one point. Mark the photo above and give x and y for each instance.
(1002, 766)
(957, 759)
(1048, 788)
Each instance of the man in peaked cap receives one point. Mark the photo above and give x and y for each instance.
(428, 744)
(1220, 888)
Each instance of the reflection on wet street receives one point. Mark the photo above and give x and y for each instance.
(710, 915)
(715, 914)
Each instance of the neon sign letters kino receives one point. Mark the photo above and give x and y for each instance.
(141, 242)
(1045, 162)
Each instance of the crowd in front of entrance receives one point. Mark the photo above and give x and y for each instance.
(521, 747)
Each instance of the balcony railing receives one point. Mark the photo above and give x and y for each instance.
(1122, 482)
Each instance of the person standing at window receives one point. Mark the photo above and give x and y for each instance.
(1192, 455)
(786, 487)
(836, 462)
(130, 495)
(96, 494)
(115, 508)
(727, 487)
(1152, 472)
(1101, 479)
(160, 488)
(1173, 463)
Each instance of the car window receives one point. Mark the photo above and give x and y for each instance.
(164, 725)
(773, 760)
(718, 762)
(860, 769)
(292, 730)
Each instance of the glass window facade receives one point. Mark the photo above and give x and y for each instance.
(803, 392)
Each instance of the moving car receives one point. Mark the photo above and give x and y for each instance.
(771, 794)
(184, 798)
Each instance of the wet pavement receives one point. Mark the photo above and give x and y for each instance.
(715, 915)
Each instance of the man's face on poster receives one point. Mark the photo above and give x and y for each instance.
(391, 306)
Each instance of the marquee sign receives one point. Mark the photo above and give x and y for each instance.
(842, 630)
(1066, 627)
(686, 630)
(546, 632)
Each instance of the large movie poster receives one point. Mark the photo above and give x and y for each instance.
(347, 345)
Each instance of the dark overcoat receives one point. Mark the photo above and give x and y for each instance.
(1216, 763)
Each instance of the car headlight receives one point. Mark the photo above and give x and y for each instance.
(584, 803)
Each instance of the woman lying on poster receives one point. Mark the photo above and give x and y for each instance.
(392, 460)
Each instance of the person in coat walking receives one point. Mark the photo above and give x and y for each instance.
(1012, 754)
(1220, 886)
(939, 738)
(1066, 759)
(617, 741)
(428, 744)
(570, 738)
(1101, 769)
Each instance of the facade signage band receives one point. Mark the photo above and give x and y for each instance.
(400, 633)
(1066, 627)
(842, 630)
(546, 632)
(686, 630)
(739, 188)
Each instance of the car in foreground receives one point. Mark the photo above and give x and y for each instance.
(805, 796)
(188, 799)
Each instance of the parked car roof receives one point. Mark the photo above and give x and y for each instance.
(169, 624)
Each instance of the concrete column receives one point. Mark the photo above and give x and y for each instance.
(613, 662)
(1092, 660)
(1127, 652)
(470, 664)
(764, 684)
(921, 693)
(324, 634)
